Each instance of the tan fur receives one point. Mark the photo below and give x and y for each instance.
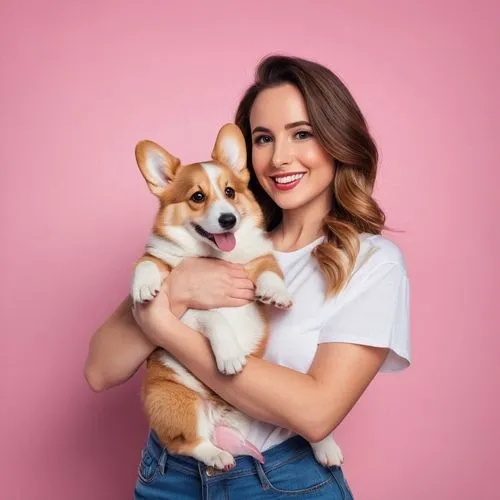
(170, 165)
(254, 269)
(176, 206)
(265, 263)
(164, 268)
(261, 347)
(171, 407)
(219, 155)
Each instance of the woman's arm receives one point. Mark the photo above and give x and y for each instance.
(311, 404)
(119, 347)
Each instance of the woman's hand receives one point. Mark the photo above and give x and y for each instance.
(154, 317)
(204, 283)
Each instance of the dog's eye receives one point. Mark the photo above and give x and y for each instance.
(198, 197)
(229, 192)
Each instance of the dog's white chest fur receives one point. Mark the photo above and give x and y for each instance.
(251, 243)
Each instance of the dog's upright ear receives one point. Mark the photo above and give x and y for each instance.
(156, 164)
(230, 150)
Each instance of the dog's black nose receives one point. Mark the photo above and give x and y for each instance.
(227, 221)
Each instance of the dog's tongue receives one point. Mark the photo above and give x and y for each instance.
(225, 241)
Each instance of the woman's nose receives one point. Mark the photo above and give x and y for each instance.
(282, 154)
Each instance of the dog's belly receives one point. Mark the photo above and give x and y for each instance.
(248, 326)
(247, 323)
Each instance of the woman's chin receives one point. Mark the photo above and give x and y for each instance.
(289, 204)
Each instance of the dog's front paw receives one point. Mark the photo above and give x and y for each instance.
(146, 282)
(229, 356)
(271, 289)
(327, 452)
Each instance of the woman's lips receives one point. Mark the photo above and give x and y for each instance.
(287, 181)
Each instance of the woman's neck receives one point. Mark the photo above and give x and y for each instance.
(301, 226)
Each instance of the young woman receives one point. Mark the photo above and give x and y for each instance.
(313, 166)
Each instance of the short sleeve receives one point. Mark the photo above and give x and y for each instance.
(374, 311)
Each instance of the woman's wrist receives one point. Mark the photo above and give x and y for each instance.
(178, 307)
(179, 302)
(161, 330)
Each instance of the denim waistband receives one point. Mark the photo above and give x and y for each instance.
(274, 457)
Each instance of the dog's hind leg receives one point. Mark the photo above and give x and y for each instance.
(178, 416)
(205, 450)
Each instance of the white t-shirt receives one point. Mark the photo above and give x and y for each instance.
(372, 309)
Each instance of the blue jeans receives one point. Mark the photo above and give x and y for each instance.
(290, 470)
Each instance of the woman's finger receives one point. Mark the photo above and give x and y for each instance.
(237, 271)
(235, 302)
(242, 293)
(243, 283)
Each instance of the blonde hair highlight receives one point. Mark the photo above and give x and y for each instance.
(341, 129)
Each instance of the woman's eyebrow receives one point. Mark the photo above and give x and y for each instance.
(297, 124)
(287, 126)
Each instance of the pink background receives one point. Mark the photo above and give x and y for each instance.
(82, 82)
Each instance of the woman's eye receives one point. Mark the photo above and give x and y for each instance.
(198, 197)
(304, 134)
(229, 192)
(263, 139)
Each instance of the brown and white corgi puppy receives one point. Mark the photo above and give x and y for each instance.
(206, 210)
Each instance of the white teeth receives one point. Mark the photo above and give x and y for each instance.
(288, 178)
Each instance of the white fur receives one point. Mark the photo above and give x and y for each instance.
(155, 163)
(146, 281)
(179, 245)
(213, 171)
(212, 456)
(234, 332)
(230, 148)
(246, 323)
(237, 420)
(183, 241)
(271, 289)
(206, 451)
(251, 243)
(229, 354)
(210, 221)
(183, 376)
(208, 416)
(327, 452)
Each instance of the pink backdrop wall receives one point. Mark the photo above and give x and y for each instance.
(83, 81)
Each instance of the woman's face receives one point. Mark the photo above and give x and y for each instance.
(289, 162)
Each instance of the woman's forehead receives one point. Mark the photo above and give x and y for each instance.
(278, 106)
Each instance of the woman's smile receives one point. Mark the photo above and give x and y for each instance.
(287, 156)
(287, 181)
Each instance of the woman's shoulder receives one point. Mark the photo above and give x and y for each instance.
(376, 250)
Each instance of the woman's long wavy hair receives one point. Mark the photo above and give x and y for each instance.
(341, 129)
